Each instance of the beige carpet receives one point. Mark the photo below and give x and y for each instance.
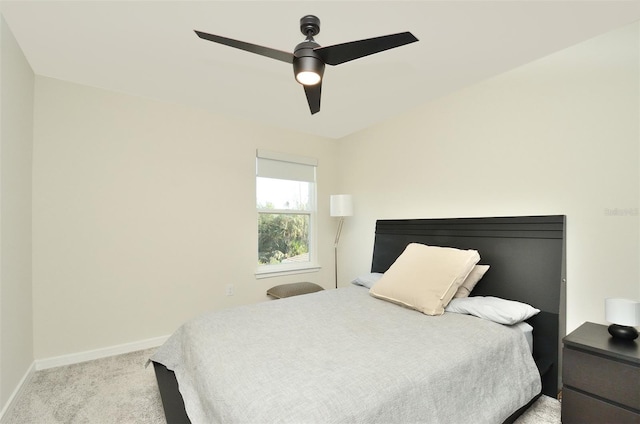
(120, 390)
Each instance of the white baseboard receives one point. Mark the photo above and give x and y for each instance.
(75, 358)
(18, 391)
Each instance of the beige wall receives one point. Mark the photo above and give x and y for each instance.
(16, 133)
(557, 136)
(144, 211)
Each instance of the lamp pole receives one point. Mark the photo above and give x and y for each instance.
(341, 206)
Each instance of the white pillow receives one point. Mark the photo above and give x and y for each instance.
(498, 310)
(367, 280)
(527, 330)
(472, 279)
(425, 278)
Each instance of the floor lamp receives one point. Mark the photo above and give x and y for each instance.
(341, 206)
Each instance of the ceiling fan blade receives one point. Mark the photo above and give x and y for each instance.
(313, 96)
(253, 48)
(341, 53)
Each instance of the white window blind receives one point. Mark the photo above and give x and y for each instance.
(285, 167)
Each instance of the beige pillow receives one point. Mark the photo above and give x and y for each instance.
(472, 279)
(425, 278)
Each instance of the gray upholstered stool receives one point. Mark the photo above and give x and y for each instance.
(293, 289)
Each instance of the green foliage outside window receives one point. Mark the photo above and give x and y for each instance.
(282, 238)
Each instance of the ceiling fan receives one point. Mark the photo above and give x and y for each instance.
(308, 58)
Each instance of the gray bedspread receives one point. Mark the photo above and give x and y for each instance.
(342, 356)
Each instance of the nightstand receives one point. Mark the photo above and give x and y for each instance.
(600, 376)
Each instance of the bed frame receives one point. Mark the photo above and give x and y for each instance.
(527, 258)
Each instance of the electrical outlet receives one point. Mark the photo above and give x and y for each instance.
(230, 289)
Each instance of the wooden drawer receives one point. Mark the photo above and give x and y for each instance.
(578, 408)
(612, 380)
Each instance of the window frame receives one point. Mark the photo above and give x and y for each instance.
(273, 270)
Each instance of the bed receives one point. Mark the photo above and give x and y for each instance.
(345, 356)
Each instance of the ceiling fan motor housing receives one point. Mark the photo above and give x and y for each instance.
(307, 60)
(310, 25)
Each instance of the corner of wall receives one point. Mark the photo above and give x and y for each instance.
(16, 143)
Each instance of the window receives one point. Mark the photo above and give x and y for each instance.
(286, 205)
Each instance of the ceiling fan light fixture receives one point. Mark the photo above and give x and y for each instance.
(308, 78)
(307, 65)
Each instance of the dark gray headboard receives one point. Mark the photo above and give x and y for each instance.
(527, 259)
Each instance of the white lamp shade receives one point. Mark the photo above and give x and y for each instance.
(622, 311)
(341, 205)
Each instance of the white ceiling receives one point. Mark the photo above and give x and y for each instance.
(148, 48)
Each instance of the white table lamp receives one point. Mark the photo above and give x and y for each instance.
(624, 314)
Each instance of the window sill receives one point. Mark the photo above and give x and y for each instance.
(279, 272)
